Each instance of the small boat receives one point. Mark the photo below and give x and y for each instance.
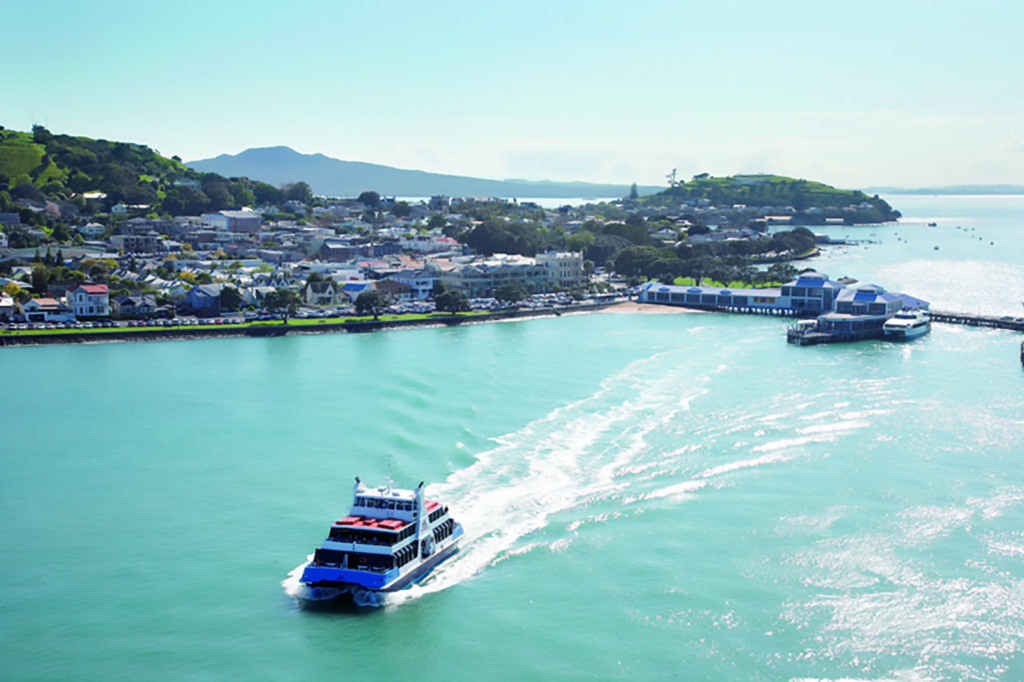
(936, 225)
(906, 325)
(390, 539)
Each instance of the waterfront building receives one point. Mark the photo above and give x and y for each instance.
(710, 297)
(89, 300)
(203, 300)
(326, 292)
(481, 278)
(46, 310)
(811, 291)
(421, 282)
(128, 305)
(863, 310)
(565, 268)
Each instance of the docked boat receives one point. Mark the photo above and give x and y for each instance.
(906, 325)
(390, 539)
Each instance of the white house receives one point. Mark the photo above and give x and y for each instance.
(421, 283)
(89, 300)
(46, 310)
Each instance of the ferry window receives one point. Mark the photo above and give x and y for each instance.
(391, 504)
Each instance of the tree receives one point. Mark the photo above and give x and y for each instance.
(298, 191)
(579, 241)
(401, 209)
(436, 221)
(284, 301)
(40, 279)
(372, 302)
(230, 299)
(452, 301)
(511, 292)
(370, 199)
(633, 193)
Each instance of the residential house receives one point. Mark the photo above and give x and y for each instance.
(91, 230)
(277, 279)
(203, 300)
(353, 289)
(3, 240)
(6, 306)
(46, 310)
(129, 305)
(89, 300)
(13, 219)
(396, 290)
(244, 221)
(325, 292)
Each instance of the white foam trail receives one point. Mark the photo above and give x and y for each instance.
(744, 464)
(565, 459)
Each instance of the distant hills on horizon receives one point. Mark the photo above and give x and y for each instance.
(334, 177)
(949, 189)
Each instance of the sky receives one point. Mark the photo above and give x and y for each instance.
(855, 94)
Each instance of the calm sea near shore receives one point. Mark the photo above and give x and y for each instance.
(645, 496)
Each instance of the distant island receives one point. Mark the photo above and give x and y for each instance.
(801, 202)
(334, 177)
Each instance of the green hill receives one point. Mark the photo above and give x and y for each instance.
(812, 201)
(41, 166)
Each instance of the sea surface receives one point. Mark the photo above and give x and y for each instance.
(645, 496)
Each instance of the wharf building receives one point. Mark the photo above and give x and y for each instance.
(841, 312)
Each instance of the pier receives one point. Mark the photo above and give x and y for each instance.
(974, 320)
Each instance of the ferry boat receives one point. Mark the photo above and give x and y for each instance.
(906, 325)
(390, 539)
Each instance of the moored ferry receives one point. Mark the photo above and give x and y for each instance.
(390, 539)
(906, 325)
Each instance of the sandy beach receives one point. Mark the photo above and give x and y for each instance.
(648, 308)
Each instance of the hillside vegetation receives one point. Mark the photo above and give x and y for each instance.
(812, 201)
(41, 167)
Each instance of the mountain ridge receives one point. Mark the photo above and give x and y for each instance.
(280, 164)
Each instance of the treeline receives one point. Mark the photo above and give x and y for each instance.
(629, 249)
(42, 166)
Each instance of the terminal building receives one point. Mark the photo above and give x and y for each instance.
(841, 312)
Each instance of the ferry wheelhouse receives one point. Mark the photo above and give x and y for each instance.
(390, 539)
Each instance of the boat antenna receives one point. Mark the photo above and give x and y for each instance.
(389, 472)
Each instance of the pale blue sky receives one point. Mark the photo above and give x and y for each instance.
(909, 93)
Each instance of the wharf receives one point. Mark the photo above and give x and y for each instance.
(973, 320)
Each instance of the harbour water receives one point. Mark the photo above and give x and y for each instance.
(645, 496)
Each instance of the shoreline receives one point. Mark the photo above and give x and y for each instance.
(281, 329)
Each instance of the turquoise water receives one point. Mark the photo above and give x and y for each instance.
(645, 496)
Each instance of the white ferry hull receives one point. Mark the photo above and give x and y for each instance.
(906, 333)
